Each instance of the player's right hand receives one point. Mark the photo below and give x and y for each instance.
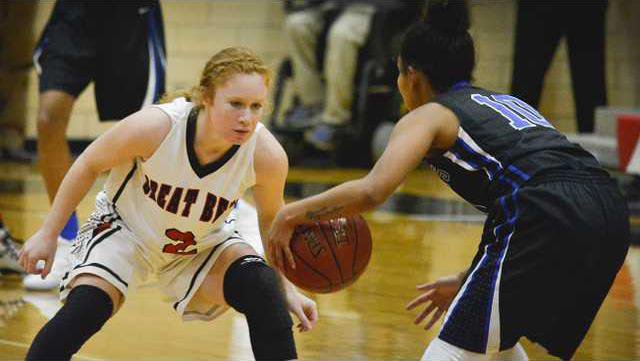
(279, 241)
(440, 294)
(41, 246)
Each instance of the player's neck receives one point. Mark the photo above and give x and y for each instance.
(208, 145)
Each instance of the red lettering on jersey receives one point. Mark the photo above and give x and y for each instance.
(189, 199)
(164, 191)
(145, 186)
(175, 200)
(222, 206)
(153, 186)
(207, 210)
(183, 239)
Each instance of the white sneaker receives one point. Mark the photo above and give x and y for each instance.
(8, 254)
(60, 266)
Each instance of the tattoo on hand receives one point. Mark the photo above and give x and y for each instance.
(334, 212)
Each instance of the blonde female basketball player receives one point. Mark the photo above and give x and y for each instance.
(177, 171)
(557, 228)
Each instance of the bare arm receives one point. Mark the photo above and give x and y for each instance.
(431, 126)
(271, 166)
(413, 136)
(138, 135)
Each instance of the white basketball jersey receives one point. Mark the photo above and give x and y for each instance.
(175, 205)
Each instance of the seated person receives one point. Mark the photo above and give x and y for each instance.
(326, 107)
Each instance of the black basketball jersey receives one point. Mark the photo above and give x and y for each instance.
(502, 143)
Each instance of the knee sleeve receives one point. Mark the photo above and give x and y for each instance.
(252, 288)
(84, 313)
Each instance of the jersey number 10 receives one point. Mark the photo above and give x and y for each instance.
(519, 114)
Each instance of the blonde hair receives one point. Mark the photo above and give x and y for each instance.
(220, 68)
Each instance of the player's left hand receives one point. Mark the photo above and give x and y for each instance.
(304, 308)
(279, 240)
(438, 295)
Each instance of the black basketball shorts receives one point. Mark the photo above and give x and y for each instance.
(549, 254)
(119, 45)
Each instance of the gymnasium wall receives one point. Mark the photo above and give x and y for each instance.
(197, 29)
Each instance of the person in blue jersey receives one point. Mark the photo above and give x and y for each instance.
(119, 46)
(557, 227)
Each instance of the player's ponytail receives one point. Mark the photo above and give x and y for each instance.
(440, 44)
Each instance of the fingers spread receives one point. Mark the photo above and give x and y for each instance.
(433, 319)
(419, 300)
(425, 313)
(427, 286)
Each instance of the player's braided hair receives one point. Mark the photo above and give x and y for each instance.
(221, 66)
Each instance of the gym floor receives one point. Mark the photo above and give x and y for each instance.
(423, 232)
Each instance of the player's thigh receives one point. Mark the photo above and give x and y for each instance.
(117, 299)
(211, 289)
(54, 108)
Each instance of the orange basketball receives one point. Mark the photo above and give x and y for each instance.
(330, 255)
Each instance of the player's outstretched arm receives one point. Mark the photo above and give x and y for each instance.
(428, 127)
(138, 135)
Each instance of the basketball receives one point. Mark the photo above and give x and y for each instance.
(329, 255)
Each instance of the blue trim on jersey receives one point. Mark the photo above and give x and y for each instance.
(494, 253)
(485, 161)
(465, 152)
(460, 85)
(511, 223)
(518, 172)
(493, 258)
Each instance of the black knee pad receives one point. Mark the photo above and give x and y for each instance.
(84, 313)
(252, 288)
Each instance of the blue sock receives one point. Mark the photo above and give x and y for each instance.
(70, 230)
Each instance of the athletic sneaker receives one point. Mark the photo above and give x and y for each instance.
(301, 117)
(61, 262)
(8, 253)
(323, 136)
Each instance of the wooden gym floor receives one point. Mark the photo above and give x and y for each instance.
(424, 232)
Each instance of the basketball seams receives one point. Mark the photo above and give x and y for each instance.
(355, 246)
(333, 254)
(314, 270)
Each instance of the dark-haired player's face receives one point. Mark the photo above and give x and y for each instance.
(413, 86)
(237, 107)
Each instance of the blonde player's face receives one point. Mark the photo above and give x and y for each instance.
(238, 105)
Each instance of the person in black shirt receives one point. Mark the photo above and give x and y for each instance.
(557, 227)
